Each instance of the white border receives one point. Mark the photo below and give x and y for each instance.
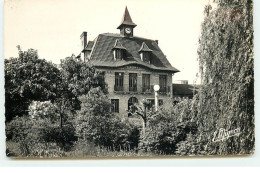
(205, 161)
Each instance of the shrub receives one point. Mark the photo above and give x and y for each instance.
(110, 132)
(42, 110)
(30, 148)
(64, 137)
(30, 133)
(20, 127)
(164, 131)
(95, 103)
(95, 123)
(191, 146)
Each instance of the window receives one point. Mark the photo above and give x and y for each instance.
(115, 105)
(119, 54)
(146, 57)
(132, 81)
(101, 78)
(131, 102)
(146, 83)
(160, 102)
(119, 81)
(163, 83)
(151, 103)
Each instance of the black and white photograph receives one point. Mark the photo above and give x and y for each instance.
(128, 79)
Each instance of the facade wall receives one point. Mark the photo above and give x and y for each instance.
(125, 95)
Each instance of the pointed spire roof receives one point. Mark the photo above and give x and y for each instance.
(144, 48)
(126, 20)
(118, 45)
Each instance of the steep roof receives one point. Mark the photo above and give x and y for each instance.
(126, 20)
(89, 45)
(102, 53)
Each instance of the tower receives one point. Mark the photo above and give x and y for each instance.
(127, 25)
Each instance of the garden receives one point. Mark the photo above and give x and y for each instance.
(63, 111)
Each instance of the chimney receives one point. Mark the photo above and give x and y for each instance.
(83, 39)
(156, 41)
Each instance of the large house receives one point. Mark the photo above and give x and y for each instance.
(131, 65)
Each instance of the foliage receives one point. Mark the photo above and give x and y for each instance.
(37, 135)
(28, 78)
(78, 78)
(95, 102)
(84, 148)
(226, 98)
(142, 110)
(111, 132)
(18, 128)
(64, 137)
(30, 148)
(42, 110)
(96, 124)
(168, 127)
(190, 146)
(27, 132)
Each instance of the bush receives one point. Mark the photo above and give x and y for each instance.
(95, 103)
(30, 133)
(110, 132)
(95, 123)
(165, 130)
(191, 146)
(42, 110)
(21, 127)
(64, 137)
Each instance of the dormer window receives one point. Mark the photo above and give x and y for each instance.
(146, 57)
(145, 53)
(119, 51)
(118, 54)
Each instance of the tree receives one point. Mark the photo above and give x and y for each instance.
(78, 78)
(95, 103)
(142, 110)
(165, 130)
(95, 123)
(28, 78)
(226, 98)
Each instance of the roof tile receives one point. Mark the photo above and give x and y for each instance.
(102, 52)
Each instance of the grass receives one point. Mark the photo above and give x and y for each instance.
(78, 151)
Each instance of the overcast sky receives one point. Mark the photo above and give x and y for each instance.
(53, 27)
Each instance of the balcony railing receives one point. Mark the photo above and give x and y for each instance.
(133, 88)
(147, 89)
(165, 90)
(118, 88)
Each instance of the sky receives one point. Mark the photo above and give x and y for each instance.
(53, 27)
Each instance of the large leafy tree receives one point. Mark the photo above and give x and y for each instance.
(226, 66)
(28, 78)
(78, 78)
